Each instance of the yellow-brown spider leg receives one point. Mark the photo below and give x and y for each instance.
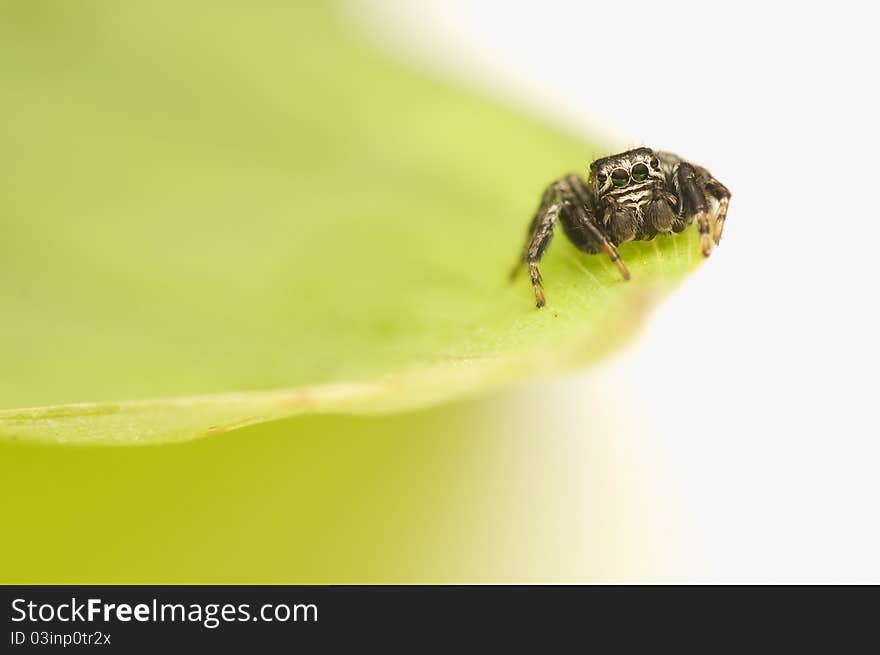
(612, 253)
(694, 203)
(587, 222)
(705, 241)
(722, 195)
(542, 232)
(546, 201)
(606, 246)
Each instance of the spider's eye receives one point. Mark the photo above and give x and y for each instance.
(619, 177)
(655, 163)
(602, 178)
(640, 172)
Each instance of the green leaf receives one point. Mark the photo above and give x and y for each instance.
(197, 200)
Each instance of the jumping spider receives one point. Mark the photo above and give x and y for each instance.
(631, 196)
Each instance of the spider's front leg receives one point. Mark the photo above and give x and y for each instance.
(722, 195)
(567, 200)
(692, 202)
(540, 233)
(694, 184)
(584, 230)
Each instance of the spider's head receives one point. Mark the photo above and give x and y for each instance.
(630, 170)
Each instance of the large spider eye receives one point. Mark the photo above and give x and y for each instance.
(655, 163)
(619, 177)
(640, 172)
(602, 178)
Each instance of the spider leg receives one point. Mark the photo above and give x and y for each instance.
(542, 232)
(692, 202)
(534, 226)
(567, 200)
(587, 223)
(722, 195)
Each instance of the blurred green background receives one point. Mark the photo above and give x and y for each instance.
(491, 490)
(203, 198)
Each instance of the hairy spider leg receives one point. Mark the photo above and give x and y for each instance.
(540, 239)
(546, 201)
(722, 194)
(567, 200)
(590, 226)
(693, 203)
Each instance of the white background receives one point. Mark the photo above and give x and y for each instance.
(774, 459)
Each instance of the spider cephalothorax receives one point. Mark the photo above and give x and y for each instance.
(632, 196)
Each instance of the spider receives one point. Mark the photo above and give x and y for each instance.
(631, 196)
